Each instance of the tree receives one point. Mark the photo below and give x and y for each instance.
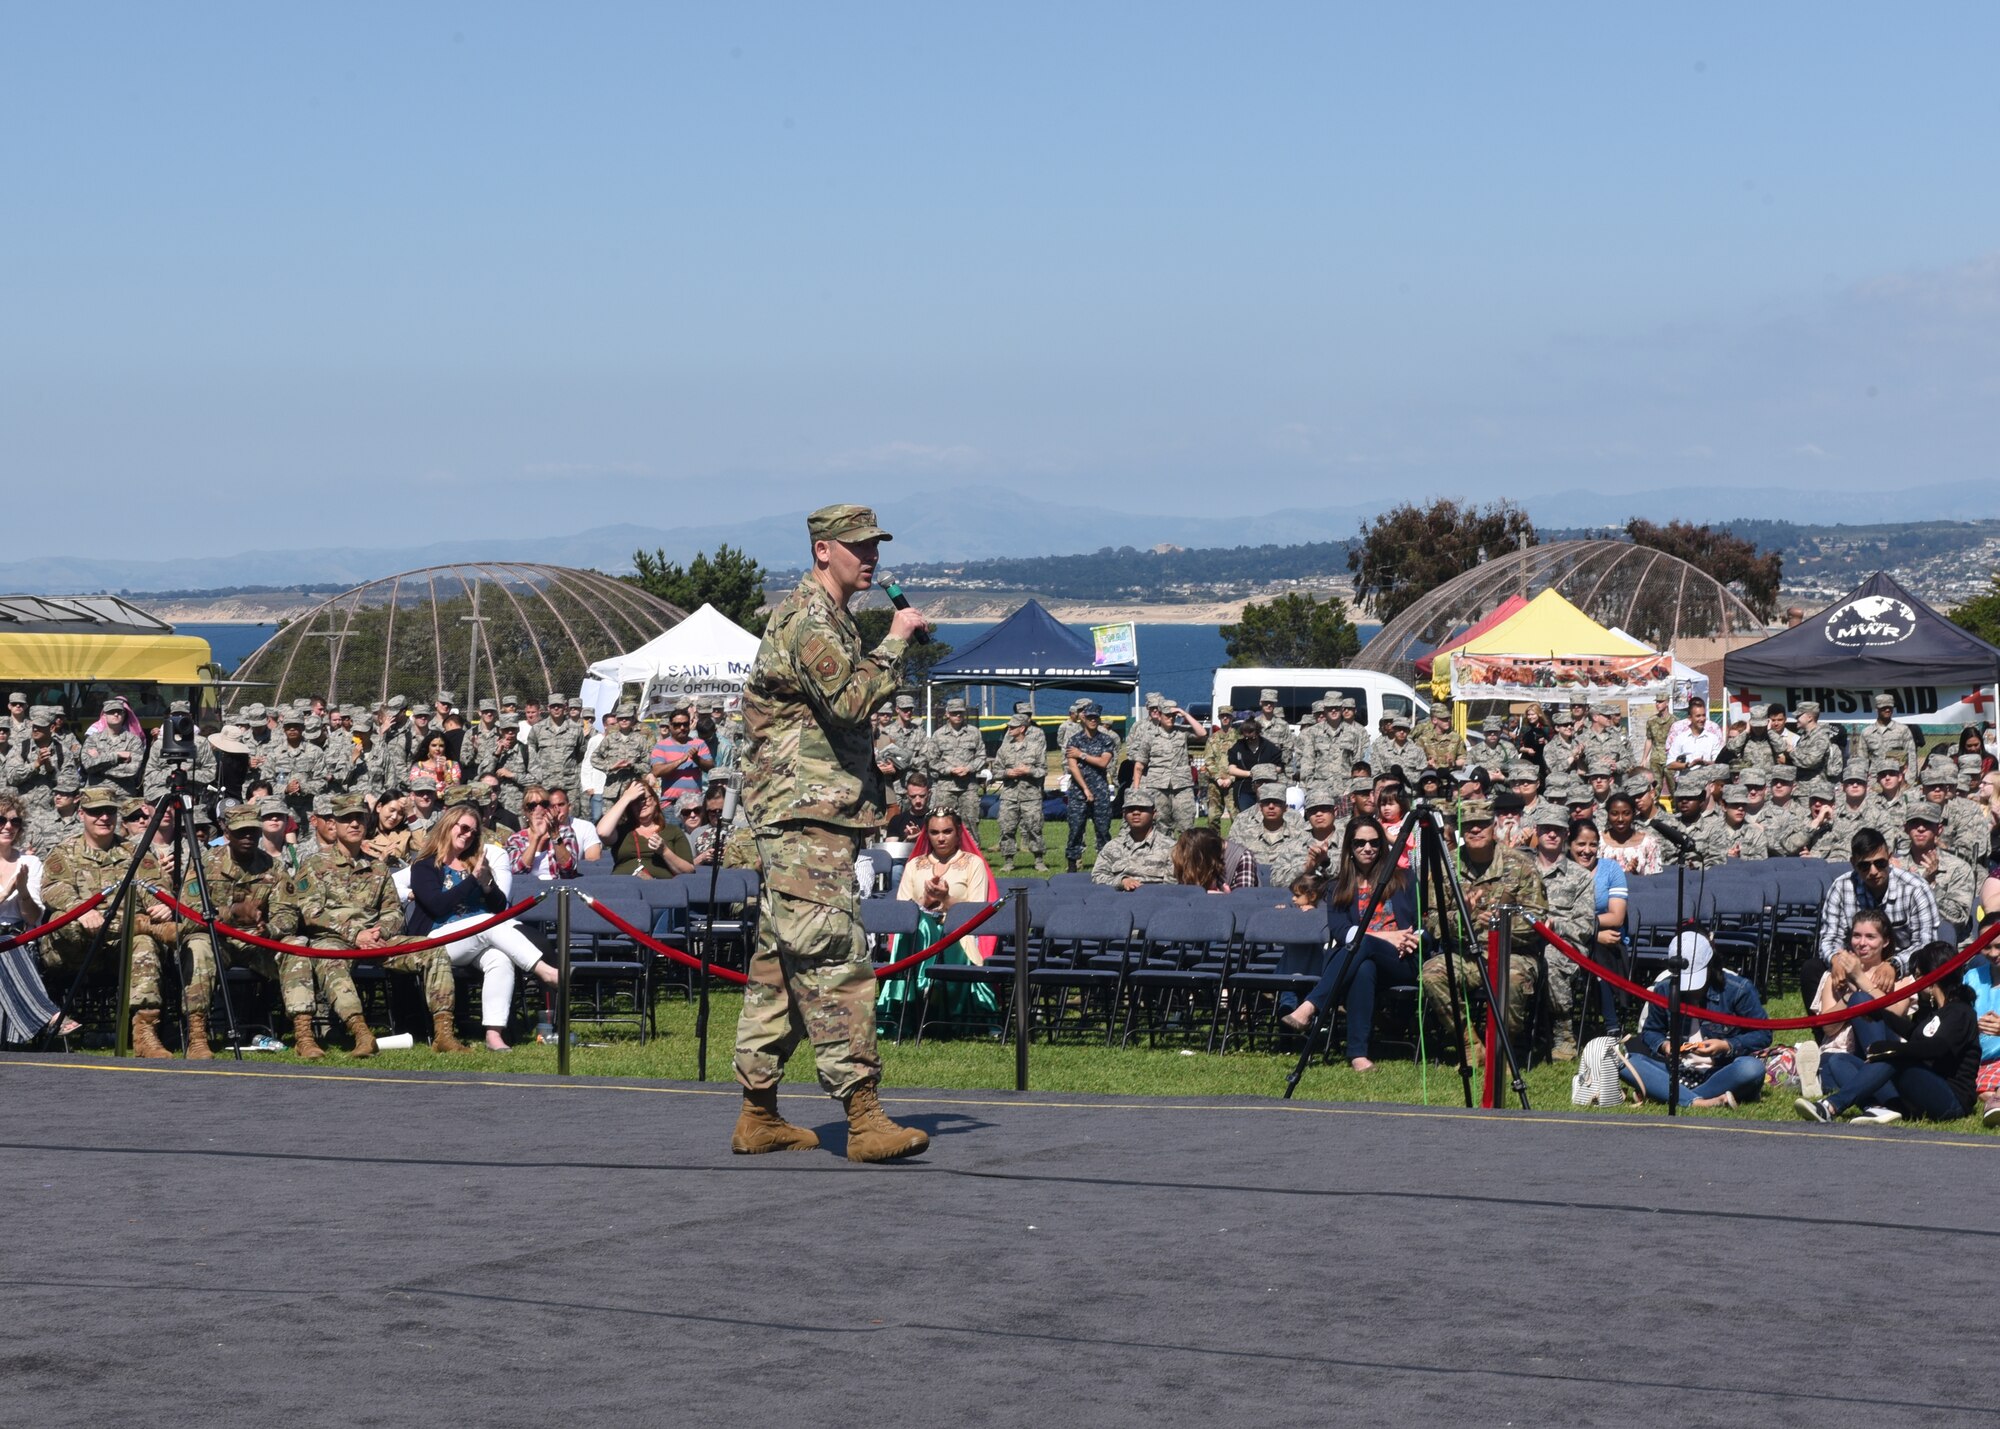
(1981, 614)
(731, 582)
(1729, 558)
(1408, 552)
(1294, 631)
(917, 661)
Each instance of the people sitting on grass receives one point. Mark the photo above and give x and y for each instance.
(1982, 975)
(642, 841)
(1928, 1068)
(452, 883)
(1385, 948)
(1874, 882)
(1720, 1065)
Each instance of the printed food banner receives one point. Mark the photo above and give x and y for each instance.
(1530, 677)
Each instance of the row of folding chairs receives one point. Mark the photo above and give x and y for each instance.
(1752, 911)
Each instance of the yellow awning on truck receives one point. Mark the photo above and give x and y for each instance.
(164, 659)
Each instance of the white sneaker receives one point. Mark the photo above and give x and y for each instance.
(1805, 1059)
(1880, 1115)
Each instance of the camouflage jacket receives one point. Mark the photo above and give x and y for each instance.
(1282, 850)
(115, 759)
(1890, 741)
(1509, 877)
(1954, 884)
(282, 764)
(1167, 759)
(339, 763)
(948, 748)
(1440, 746)
(336, 895)
(201, 773)
(1386, 754)
(508, 770)
(1658, 727)
(633, 749)
(75, 870)
(1749, 841)
(1571, 891)
(32, 770)
(1030, 747)
(556, 755)
(47, 829)
(1813, 752)
(1708, 841)
(1784, 831)
(1966, 830)
(1150, 861)
(229, 882)
(809, 756)
(1560, 755)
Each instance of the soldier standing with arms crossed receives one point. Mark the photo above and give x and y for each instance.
(810, 792)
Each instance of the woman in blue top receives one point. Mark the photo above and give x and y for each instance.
(1376, 952)
(451, 882)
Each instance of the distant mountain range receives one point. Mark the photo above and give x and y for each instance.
(963, 525)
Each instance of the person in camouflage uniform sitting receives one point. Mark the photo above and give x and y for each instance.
(243, 881)
(93, 862)
(1490, 876)
(342, 898)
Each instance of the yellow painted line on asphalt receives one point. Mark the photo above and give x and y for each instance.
(1496, 1118)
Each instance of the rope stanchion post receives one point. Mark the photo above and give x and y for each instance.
(1503, 977)
(1021, 936)
(123, 1046)
(562, 979)
(1487, 1072)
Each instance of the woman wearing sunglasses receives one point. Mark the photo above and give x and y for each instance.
(1375, 952)
(25, 1005)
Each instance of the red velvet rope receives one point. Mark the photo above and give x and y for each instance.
(644, 940)
(14, 940)
(394, 950)
(730, 975)
(1772, 1024)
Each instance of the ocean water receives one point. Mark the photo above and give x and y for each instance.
(1177, 660)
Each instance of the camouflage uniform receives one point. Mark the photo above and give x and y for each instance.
(1441, 747)
(1168, 779)
(1966, 830)
(1784, 830)
(1890, 741)
(284, 762)
(508, 767)
(1508, 877)
(1282, 850)
(1571, 890)
(231, 884)
(949, 748)
(1150, 860)
(1889, 815)
(1095, 809)
(901, 759)
(1708, 847)
(73, 872)
(1658, 727)
(333, 898)
(1021, 799)
(1955, 886)
(1746, 840)
(201, 773)
(115, 759)
(810, 792)
(1814, 756)
(555, 758)
(1350, 743)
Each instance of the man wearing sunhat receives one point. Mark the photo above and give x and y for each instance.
(811, 792)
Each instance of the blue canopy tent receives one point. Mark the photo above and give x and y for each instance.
(1033, 650)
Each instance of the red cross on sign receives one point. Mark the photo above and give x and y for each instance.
(1742, 697)
(1978, 699)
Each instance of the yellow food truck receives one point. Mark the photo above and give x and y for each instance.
(76, 650)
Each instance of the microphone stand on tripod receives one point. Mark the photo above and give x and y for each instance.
(708, 933)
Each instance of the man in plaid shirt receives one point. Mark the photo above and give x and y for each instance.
(1875, 883)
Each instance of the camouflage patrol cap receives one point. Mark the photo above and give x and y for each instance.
(1075, 706)
(99, 796)
(272, 809)
(1492, 724)
(396, 703)
(1361, 784)
(1023, 707)
(1924, 813)
(1321, 796)
(254, 710)
(488, 704)
(626, 710)
(1138, 799)
(1091, 710)
(315, 725)
(1886, 766)
(1783, 774)
(180, 707)
(1319, 706)
(1154, 699)
(420, 711)
(1169, 706)
(1885, 702)
(508, 721)
(1267, 697)
(1819, 789)
(463, 796)
(293, 717)
(909, 702)
(18, 697)
(1690, 786)
(1806, 707)
(510, 699)
(1754, 779)
(1971, 764)
(423, 784)
(1603, 767)
(1475, 811)
(1521, 770)
(68, 781)
(1259, 773)
(1610, 709)
(127, 808)
(1854, 774)
(323, 806)
(1551, 817)
(40, 718)
(1346, 702)
(346, 806)
(1399, 721)
(1736, 796)
(242, 817)
(845, 522)
(1018, 721)
(1580, 799)
(954, 706)
(1270, 793)
(558, 698)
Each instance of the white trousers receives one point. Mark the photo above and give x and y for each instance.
(499, 950)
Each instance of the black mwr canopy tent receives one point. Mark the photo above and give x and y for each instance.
(1033, 650)
(1877, 639)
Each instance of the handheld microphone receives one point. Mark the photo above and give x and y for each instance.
(729, 803)
(894, 590)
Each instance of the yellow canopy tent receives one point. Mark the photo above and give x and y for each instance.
(1550, 650)
(120, 659)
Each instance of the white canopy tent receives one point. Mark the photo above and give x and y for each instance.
(706, 654)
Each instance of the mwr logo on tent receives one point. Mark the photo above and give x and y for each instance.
(1871, 620)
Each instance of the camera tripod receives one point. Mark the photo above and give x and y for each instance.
(183, 854)
(1436, 866)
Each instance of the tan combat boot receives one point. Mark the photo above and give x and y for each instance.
(197, 1038)
(443, 1038)
(146, 1034)
(759, 1127)
(364, 1040)
(303, 1041)
(871, 1136)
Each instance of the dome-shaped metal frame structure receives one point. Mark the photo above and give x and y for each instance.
(1649, 594)
(479, 627)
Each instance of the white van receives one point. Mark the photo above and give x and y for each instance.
(1374, 694)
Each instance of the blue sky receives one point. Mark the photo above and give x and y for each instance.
(353, 273)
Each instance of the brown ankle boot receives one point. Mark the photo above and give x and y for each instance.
(759, 1127)
(303, 1041)
(443, 1039)
(364, 1040)
(198, 1038)
(871, 1136)
(146, 1034)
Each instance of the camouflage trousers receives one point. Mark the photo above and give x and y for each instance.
(1173, 809)
(1520, 989)
(963, 801)
(296, 977)
(335, 977)
(809, 978)
(62, 954)
(1021, 814)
